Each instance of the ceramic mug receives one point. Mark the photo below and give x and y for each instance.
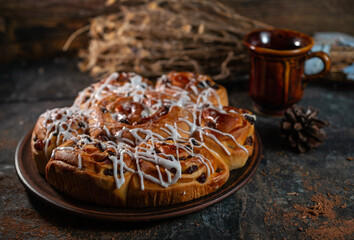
(277, 77)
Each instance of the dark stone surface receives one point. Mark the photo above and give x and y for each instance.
(264, 209)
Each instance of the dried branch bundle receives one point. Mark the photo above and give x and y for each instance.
(163, 35)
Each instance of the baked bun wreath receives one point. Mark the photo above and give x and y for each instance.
(128, 143)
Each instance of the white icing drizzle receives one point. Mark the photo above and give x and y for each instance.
(63, 123)
(79, 161)
(249, 115)
(71, 123)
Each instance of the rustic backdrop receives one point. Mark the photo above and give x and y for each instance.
(39, 28)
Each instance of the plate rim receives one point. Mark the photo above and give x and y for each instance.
(135, 215)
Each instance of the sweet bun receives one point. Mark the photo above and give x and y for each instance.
(126, 142)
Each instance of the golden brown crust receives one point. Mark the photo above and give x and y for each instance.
(83, 185)
(91, 184)
(235, 125)
(51, 130)
(194, 83)
(127, 143)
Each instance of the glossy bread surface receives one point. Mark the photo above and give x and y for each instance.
(126, 142)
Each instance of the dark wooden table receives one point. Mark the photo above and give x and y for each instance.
(291, 196)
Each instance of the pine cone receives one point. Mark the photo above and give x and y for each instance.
(303, 129)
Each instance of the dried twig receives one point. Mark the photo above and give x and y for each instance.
(192, 35)
(75, 35)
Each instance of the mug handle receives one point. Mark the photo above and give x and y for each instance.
(326, 61)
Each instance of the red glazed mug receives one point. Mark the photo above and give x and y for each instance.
(277, 78)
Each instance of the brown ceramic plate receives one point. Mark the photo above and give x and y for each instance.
(38, 186)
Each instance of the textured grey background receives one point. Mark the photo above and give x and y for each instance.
(257, 211)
